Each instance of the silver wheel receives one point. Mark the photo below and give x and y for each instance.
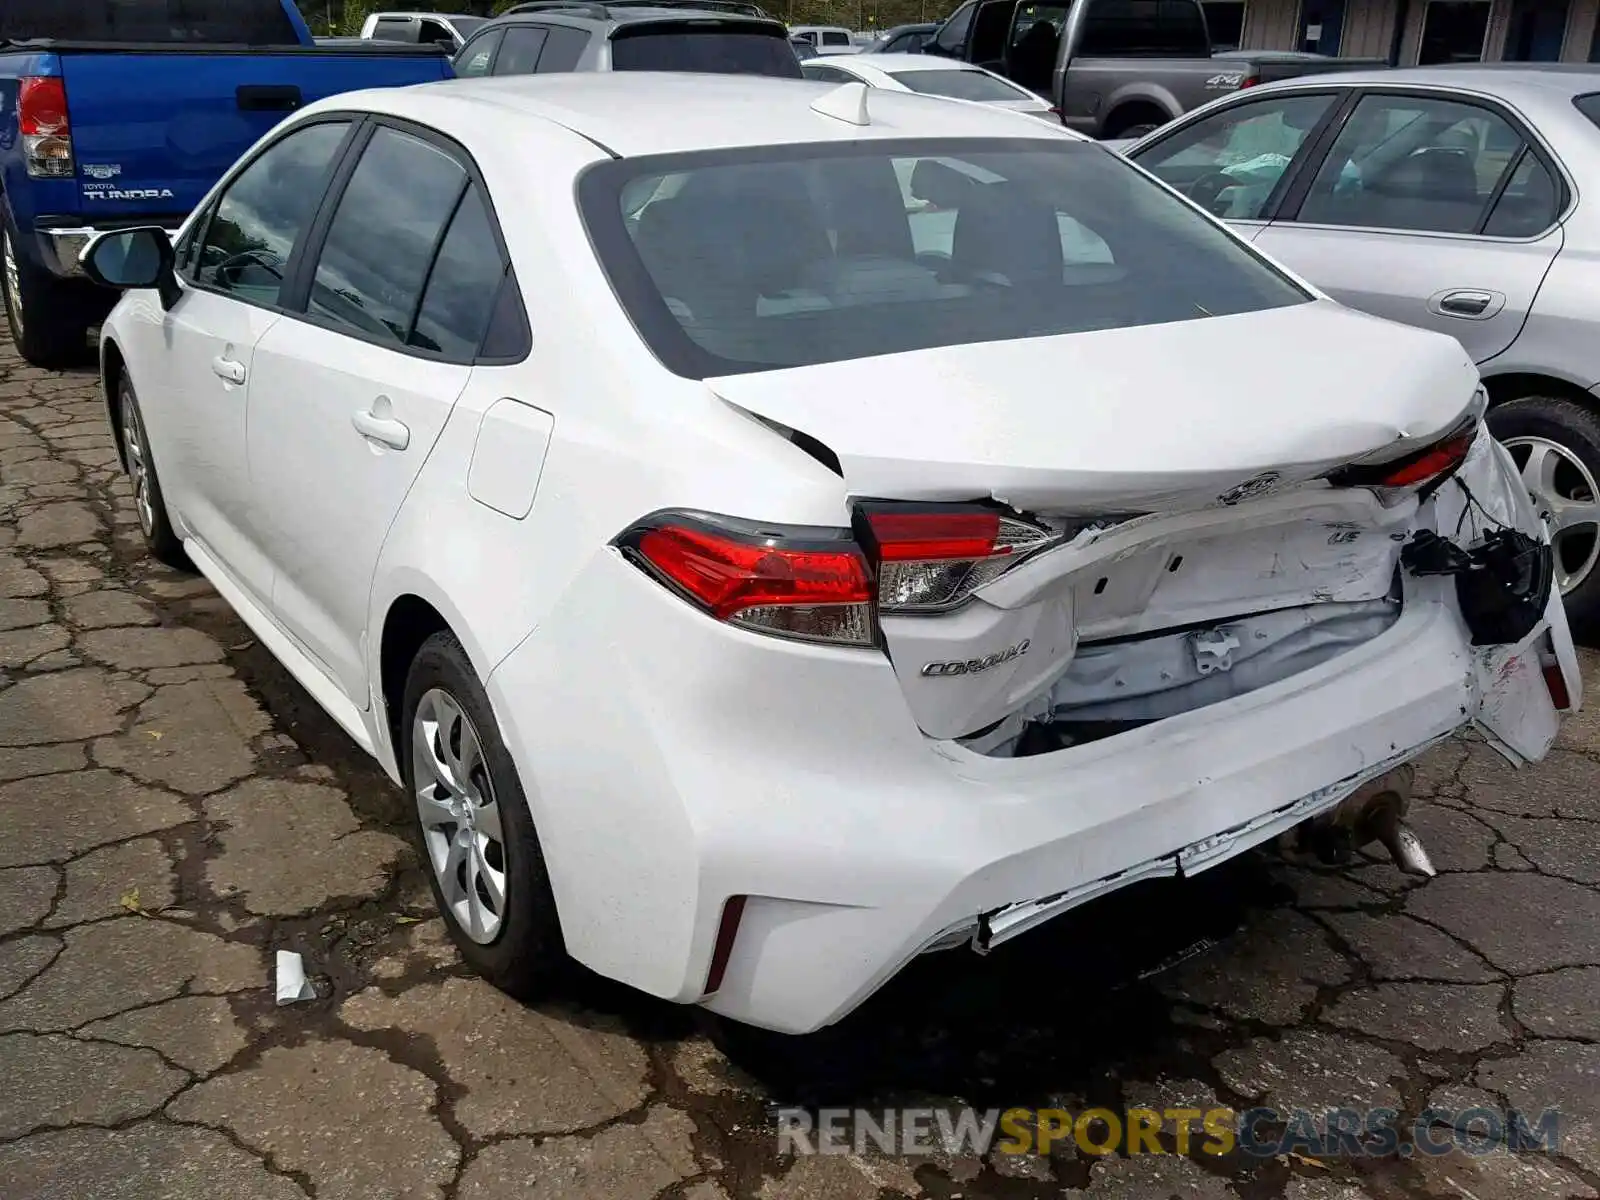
(138, 465)
(460, 815)
(1565, 494)
(8, 255)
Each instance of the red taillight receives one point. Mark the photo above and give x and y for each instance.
(901, 536)
(1248, 81)
(1430, 463)
(809, 584)
(45, 129)
(931, 558)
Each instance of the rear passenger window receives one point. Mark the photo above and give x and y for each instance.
(1417, 163)
(246, 246)
(374, 264)
(563, 47)
(1529, 204)
(395, 29)
(477, 56)
(463, 285)
(519, 52)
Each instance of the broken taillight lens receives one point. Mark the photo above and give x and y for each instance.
(795, 582)
(1432, 462)
(931, 558)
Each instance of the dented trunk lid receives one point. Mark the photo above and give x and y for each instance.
(1179, 464)
(1155, 413)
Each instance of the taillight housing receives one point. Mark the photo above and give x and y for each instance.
(1433, 464)
(931, 558)
(44, 126)
(1248, 81)
(805, 583)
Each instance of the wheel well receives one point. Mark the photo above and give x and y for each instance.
(1503, 388)
(111, 376)
(1134, 112)
(411, 621)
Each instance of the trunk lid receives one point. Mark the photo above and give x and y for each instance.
(1178, 465)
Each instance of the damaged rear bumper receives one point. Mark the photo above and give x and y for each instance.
(790, 776)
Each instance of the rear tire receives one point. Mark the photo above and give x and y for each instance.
(1567, 435)
(160, 539)
(1132, 123)
(474, 826)
(48, 318)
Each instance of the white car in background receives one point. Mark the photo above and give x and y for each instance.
(929, 75)
(758, 580)
(828, 39)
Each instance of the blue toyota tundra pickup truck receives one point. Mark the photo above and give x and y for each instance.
(126, 112)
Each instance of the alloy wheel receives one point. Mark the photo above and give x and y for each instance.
(460, 815)
(138, 465)
(1564, 492)
(8, 256)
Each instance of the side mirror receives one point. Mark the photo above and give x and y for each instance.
(133, 258)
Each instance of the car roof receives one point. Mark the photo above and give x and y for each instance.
(578, 13)
(1533, 80)
(890, 63)
(636, 113)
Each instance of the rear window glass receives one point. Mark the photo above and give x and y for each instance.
(752, 260)
(1589, 106)
(712, 49)
(960, 85)
(258, 22)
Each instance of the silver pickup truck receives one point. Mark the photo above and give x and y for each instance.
(1114, 68)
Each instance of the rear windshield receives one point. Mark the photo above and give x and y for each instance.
(960, 85)
(709, 47)
(1589, 106)
(757, 259)
(256, 22)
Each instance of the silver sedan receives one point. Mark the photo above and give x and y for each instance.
(1446, 197)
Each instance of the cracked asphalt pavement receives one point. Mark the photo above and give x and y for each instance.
(173, 809)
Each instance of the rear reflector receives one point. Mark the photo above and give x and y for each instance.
(931, 558)
(727, 932)
(804, 583)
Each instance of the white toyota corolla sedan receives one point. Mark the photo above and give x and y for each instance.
(760, 576)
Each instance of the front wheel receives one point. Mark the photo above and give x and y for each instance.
(483, 858)
(1555, 443)
(160, 540)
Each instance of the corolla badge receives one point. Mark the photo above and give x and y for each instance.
(1251, 488)
(971, 666)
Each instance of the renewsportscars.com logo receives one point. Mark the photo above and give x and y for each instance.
(1257, 1132)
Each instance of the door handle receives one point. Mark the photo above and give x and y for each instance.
(1472, 304)
(377, 424)
(228, 369)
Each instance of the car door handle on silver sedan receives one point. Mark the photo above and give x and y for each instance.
(377, 424)
(228, 369)
(1471, 304)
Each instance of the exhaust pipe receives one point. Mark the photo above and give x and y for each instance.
(1374, 812)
